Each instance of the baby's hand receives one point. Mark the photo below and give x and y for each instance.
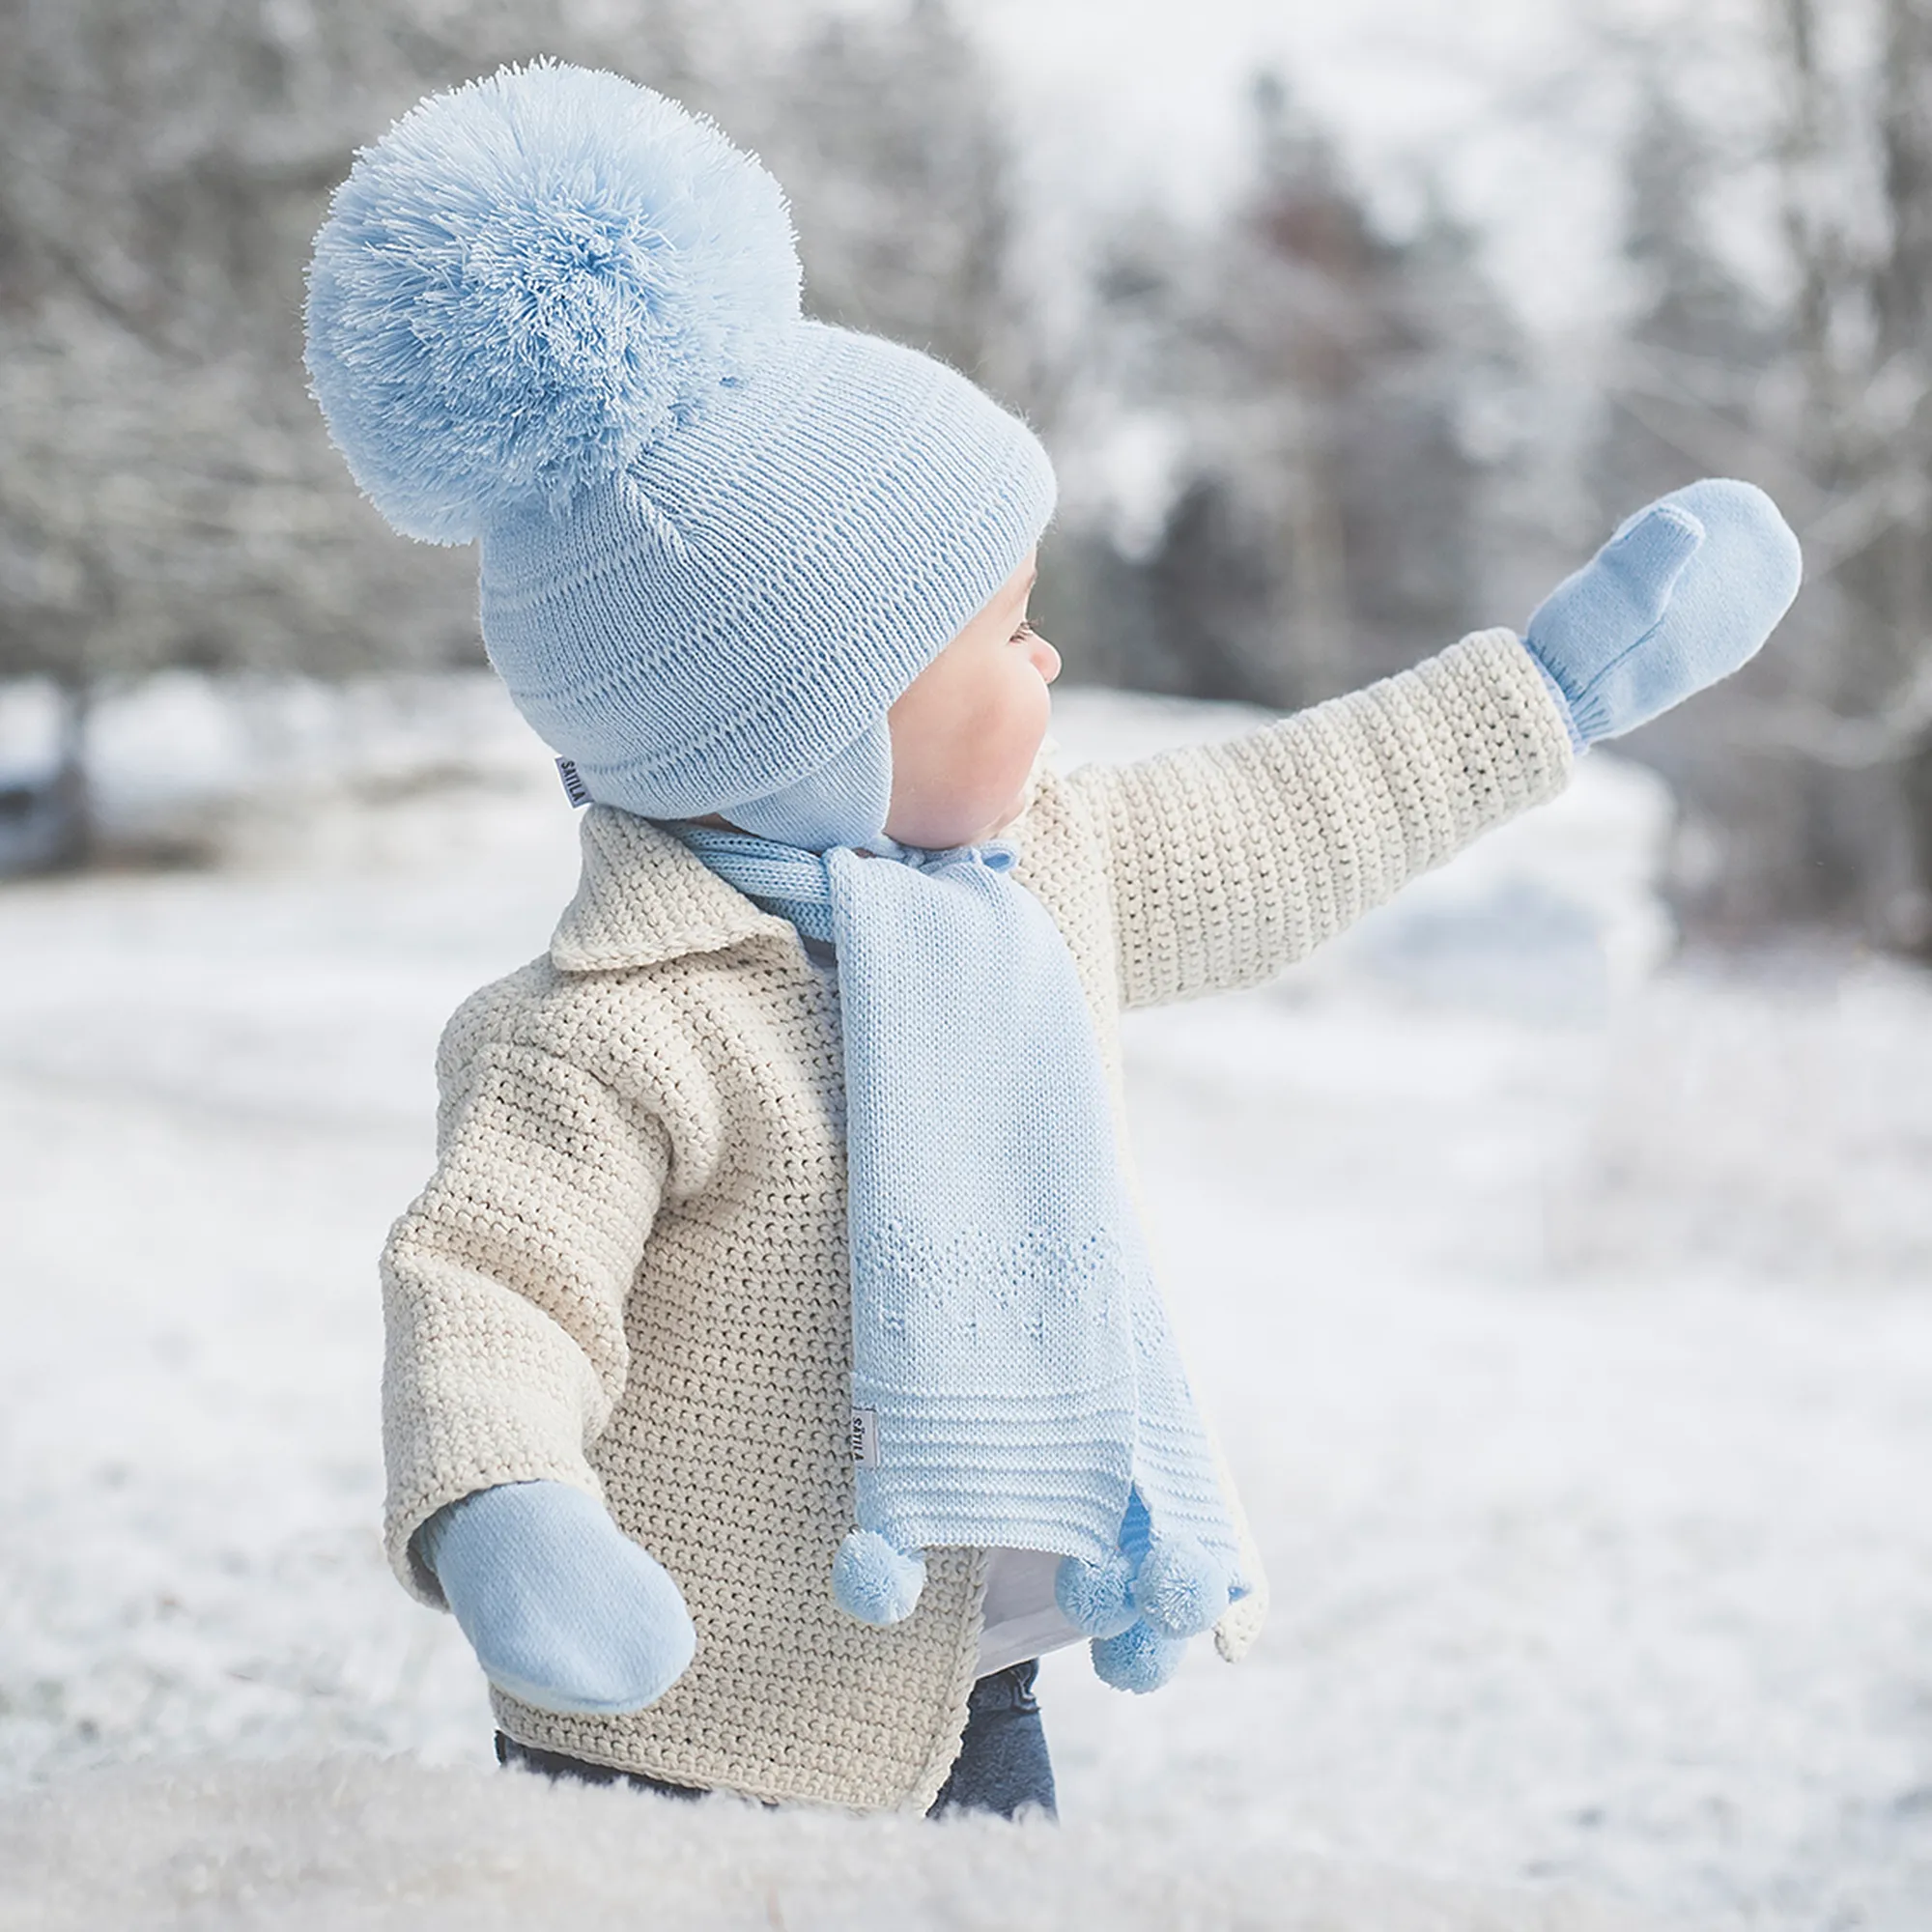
(1685, 593)
(563, 1610)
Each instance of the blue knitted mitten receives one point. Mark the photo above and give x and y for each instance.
(563, 1610)
(1684, 594)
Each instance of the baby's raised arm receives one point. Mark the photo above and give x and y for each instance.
(1228, 862)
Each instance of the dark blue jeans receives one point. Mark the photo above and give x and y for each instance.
(1002, 1766)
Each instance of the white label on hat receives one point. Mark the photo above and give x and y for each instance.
(574, 787)
(864, 1439)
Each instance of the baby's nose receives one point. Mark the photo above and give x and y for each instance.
(1046, 659)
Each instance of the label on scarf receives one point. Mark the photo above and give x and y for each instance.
(864, 1439)
(574, 787)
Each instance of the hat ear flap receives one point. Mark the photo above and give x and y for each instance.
(844, 803)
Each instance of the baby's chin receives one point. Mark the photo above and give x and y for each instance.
(937, 825)
(967, 821)
(1017, 805)
(1006, 816)
(941, 831)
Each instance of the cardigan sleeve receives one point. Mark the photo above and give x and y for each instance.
(504, 1286)
(1225, 863)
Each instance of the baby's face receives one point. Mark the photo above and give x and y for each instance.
(966, 732)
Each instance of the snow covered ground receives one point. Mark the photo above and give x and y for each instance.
(1567, 1322)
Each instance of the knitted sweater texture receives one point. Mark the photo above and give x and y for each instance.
(629, 1271)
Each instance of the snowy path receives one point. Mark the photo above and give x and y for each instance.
(1576, 1360)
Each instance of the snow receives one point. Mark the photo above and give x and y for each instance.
(392, 1848)
(1562, 1309)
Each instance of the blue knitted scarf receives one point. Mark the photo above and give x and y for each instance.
(1015, 1383)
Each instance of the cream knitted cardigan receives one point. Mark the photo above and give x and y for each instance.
(629, 1270)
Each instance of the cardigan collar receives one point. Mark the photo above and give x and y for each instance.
(645, 897)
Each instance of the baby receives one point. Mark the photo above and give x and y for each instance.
(775, 1370)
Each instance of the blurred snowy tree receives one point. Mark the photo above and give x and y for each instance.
(167, 494)
(1813, 772)
(1688, 394)
(886, 130)
(1328, 403)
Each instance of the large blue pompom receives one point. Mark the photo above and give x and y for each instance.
(526, 282)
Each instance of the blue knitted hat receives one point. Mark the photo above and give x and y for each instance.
(553, 313)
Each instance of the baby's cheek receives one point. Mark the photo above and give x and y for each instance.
(960, 767)
(1008, 751)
